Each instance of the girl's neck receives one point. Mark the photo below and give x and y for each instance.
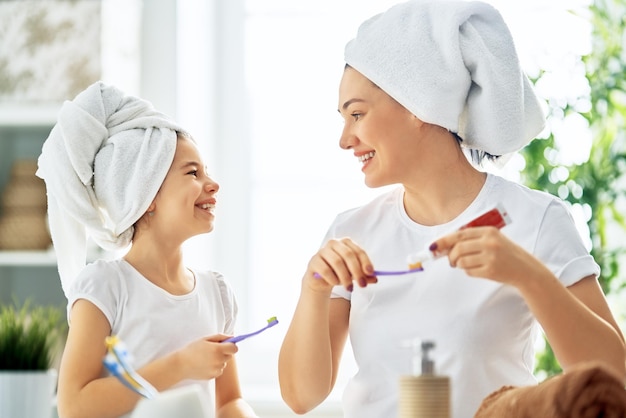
(162, 267)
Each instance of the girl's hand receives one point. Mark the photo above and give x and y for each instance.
(339, 262)
(486, 252)
(206, 358)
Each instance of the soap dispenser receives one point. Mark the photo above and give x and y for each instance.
(424, 394)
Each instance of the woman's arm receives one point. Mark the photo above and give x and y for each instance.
(84, 392)
(577, 320)
(229, 403)
(311, 351)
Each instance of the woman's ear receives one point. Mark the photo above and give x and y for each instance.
(151, 209)
(417, 122)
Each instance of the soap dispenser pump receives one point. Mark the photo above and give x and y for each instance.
(424, 394)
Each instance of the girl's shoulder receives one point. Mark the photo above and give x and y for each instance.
(213, 280)
(214, 287)
(208, 276)
(100, 275)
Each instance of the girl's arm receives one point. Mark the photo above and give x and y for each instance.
(84, 392)
(577, 320)
(229, 403)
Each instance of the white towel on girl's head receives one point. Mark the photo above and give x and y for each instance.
(103, 164)
(453, 64)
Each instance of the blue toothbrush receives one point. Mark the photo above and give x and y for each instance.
(117, 363)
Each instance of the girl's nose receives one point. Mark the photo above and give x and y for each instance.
(211, 186)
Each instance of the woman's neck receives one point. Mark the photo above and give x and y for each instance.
(445, 194)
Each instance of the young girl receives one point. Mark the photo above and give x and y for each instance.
(125, 174)
(425, 82)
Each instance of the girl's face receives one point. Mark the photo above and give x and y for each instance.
(383, 134)
(185, 203)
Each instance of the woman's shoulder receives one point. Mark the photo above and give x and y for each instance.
(522, 202)
(379, 203)
(517, 193)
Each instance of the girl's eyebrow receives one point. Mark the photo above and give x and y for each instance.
(190, 164)
(195, 164)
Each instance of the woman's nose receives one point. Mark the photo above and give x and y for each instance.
(347, 139)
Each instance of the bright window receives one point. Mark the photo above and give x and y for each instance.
(269, 118)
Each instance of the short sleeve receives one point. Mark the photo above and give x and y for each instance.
(100, 284)
(560, 246)
(229, 302)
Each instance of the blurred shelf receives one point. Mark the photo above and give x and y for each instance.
(27, 114)
(28, 258)
(44, 258)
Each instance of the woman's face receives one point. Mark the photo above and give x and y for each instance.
(383, 134)
(186, 200)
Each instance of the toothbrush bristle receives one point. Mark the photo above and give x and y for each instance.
(111, 341)
(416, 265)
(272, 319)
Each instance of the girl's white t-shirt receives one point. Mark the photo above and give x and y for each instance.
(152, 322)
(484, 333)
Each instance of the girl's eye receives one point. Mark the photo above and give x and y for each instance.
(356, 116)
(193, 172)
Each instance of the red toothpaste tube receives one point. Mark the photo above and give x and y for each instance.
(497, 217)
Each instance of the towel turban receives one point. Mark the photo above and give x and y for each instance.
(103, 163)
(452, 64)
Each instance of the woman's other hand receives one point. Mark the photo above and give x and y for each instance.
(486, 252)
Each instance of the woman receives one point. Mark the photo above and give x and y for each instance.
(425, 84)
(121, 172)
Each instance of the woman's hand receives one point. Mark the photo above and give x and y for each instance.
(339, 262)
(206, 358)
(486, 252)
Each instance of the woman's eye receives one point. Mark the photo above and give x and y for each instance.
(193, 172)
(356, 116)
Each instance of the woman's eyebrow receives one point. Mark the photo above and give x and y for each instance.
(349, 102)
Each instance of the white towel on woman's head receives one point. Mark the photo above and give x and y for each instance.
(103, 164)
(453, 64)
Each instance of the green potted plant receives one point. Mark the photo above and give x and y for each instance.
(29, 341)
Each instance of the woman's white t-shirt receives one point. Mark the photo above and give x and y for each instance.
(152, 322)
(483, 331)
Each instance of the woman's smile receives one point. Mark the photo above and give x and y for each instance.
(207, 206)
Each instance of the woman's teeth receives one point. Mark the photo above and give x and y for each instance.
(367, 156)
(207, 206)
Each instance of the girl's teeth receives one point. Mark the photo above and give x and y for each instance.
(367, 156)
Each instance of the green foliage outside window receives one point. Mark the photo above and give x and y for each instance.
(599, 184)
